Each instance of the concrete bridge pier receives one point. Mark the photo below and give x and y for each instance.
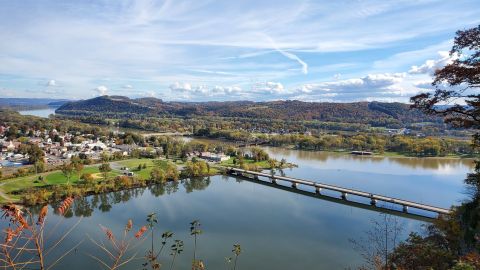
(255, 177)
(405, 209)
(373, 202)
(318, 190)
(294, 185)
(344, 195)
(274, 180)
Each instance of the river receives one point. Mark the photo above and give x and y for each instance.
(277, 229)
(44, 113)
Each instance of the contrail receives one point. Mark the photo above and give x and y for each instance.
(289, 56)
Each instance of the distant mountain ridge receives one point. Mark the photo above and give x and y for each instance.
(356, 112)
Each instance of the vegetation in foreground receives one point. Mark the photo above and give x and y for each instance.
(28, 245)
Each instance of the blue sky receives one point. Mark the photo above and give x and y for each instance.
(227, 50)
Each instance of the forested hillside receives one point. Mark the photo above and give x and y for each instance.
(393, 115)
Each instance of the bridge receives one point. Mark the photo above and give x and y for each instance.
(343, 192)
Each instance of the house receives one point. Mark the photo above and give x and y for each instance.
(11, 146)
(125, 147)
(214, 157)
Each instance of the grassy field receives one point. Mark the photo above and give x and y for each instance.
(144, 174)
(50, 178)
(57, 177)
(9, 186)
(262, 164)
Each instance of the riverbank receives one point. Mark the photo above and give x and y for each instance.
(16, 190)
(339, 151)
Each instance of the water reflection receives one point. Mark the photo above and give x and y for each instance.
(266, 221)
(410, 162)
(270, 221)
(86, 206)
(445, 164)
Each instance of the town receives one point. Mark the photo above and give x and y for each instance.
(57, 148)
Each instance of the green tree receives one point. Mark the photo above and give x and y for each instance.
(35, 155)
(105, 157)
(157, 175)
(67, 170)
(105, 168)
(77, 165)
(39, 166)
(88, 178)
(272, 163)
(171, 171)
(258, 154)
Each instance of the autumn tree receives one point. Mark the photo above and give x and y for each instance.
(157, 175)
(104, 168)
(456, 97)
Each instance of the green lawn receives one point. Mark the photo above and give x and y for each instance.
(50, 178)
(21, 183)
(57, 178)
(261, 164)
(144, 174)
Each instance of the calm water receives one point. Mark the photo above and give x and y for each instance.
(40, 113)
(277, 229)
(6, 163)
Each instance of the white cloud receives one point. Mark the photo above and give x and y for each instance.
(186, 87)
(51, 83)
(226, 89)
(399, 61)
(431, 65)
(204, 90)
(423, 84)
(153, 43)
(372, 86)
(370, 82)
(148, 94)
(101, 90)
(269, 87)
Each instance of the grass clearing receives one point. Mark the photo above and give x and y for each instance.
(49, 178)
(143, 174)
(261, 164)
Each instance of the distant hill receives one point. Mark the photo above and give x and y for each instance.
(30, 103)
(374, 113)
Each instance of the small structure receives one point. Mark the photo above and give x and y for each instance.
(214, 157)
(361, 153)
(127, 172)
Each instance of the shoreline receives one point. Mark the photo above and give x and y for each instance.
(17, 195)
(386, 154)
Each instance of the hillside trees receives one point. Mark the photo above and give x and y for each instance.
(455, 236)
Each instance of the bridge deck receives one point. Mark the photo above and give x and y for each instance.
(342, 190)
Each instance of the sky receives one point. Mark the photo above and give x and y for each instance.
(191, 50)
